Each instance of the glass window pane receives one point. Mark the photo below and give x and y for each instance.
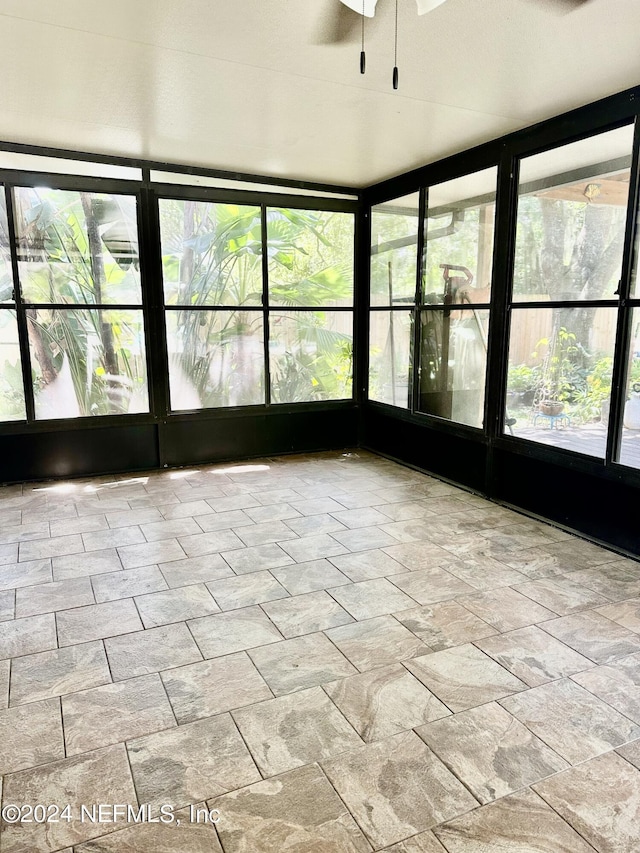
(211, 253)
(630, 447)
(389, 357)
(394, 251)
(311, 355)
(459, 230)
(571, 219)
(11, 387)
(453, 362)
(216, 359)
(87, 362)
(6, 276)
(311, 255)
(77, 247)
(559, 381)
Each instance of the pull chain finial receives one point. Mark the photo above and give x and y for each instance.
(363, 58)
(395, 53)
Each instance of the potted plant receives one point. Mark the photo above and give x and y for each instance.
(557, 368)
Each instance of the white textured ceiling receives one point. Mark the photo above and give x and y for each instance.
(245, 85)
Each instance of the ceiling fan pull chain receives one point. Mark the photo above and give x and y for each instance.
(395, 53)
(363, 58)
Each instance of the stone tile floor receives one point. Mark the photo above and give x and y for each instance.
(337, 653)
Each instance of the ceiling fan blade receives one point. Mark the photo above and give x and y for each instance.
(562, 7)
(425, 6)
(358, 5)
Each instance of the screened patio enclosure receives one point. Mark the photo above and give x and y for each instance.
(477, 318)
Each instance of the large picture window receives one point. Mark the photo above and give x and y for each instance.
(239, 334)
(79, 273)
(572, 210)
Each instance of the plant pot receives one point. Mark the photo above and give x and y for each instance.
(551, 407)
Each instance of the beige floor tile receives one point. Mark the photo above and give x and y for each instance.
(601, 800)
(150, 553)
(464, 677)
(9, 554)
(490, 751)
(192, 570)
(533, 656)
(302, 662)
(578, 554)
(519, 823)
(159, 531)
(617, 684)
(97, 621)
(427, 586)
(266, 533)
(368, 565)
(254, 588)
(385, 701)
(54, 673)
(535, 563)
(15, 575)
(616, 581)
(256, 559)
(208, 543)
(59, 595)
(27, 636)
(213, 686)
(444, 624)
(133, 517)
(313, 548)
(424, 842)
(86, 524)
(96, 777)
(365, 538)
(376, 642)
(57, 546)
(505, 609)
(190, 763)
(187, 836)
(30, 735)
(175, 605)
(271, 512)
(486, 573)
(419, 555)
(310, 525)
(295, 730)
(232, 502)
(376, 597)
(81, 565)
(318, 506)
(309, 577)
(631, 751)
(306, 614)
(594, 636)
(127, 583)
(396, 788)
(296, 811)
(11, 534)
(234, 631)
(114, 713)
(122, 537)
(223, 520)
(563, 595)
(363, 517)
(187, 509)
(570, 720)
(625, 613)
(151, 651)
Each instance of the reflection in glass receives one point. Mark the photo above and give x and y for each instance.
(11, 389)
(211, 253)
(77, 247)
(459, 232)
(6, 276)
(87, 362)
(559, 381)
(389, 357)
(311, 355)
(571, 220)
(311, 254)
(394, 251)
(216, 359)
(453, 362)
(630, 447)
